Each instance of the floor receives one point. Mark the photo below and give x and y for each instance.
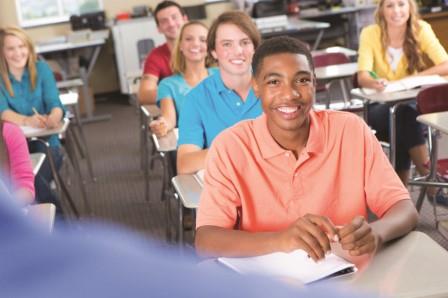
(117, 196)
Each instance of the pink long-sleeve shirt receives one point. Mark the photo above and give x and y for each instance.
(20, 167)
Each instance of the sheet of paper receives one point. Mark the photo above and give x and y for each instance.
(294, 265)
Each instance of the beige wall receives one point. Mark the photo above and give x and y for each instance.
(104, 77)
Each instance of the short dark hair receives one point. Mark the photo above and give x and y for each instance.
(279, 45)
(237, 18)
(166, 4)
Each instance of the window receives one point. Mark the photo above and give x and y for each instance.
(42, 12)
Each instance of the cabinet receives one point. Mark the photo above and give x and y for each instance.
(133, 40)
(439, 23)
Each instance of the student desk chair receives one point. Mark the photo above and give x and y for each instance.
(147, 114)
(188, 189)
(43, 214)
(70, 100)
(331, 68)
(432, 103)
(165, 146)
(37, 134)
(37, 160)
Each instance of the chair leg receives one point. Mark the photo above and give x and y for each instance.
(58, 180)
(71, 152)
(83, 144)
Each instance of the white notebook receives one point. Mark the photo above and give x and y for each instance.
(409, 83)
(295, 265)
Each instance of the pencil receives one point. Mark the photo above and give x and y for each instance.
(35, 111)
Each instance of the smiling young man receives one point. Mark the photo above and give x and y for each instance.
(224, 98)
(296, 178)
(169, 17)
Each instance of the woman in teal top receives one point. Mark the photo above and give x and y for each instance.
(189, 66)
(29, 97)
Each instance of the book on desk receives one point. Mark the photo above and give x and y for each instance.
(295, 266)
(408, 83)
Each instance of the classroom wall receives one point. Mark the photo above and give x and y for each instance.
(104, 78)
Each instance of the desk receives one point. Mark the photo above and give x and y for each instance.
(189, 189)
(44, 214)
(353, 15)
(70, 100)
(413, 266)
(147, 114)
(347, 52)
(298, 26)
(94, 44)
(338, 72)
(436, 122)
(38, 134)
(37, 159)
(396, 99)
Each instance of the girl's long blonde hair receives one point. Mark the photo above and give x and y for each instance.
(32, 58)
(178, 63)
(417, 61)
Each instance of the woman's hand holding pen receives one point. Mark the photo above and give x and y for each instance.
(36, 120)
(377, 83)
(311, 233)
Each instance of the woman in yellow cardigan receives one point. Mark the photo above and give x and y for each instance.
(400, 44)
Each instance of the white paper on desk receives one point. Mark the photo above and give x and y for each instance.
(28, 130)
(295, 265)
(408, 83)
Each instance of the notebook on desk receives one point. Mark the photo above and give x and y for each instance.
(296, 266)
(409, 83)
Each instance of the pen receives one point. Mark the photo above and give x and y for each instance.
(373, 75)
(35, 111)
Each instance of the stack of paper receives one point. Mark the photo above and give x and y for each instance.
(409, 83)
(294, 265)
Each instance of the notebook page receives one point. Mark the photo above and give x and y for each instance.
(294, 265)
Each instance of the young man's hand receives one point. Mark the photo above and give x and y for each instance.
(159, 127)
(35, 120)
(358, 237)
(312, 233)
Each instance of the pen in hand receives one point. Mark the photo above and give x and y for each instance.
(40, 118)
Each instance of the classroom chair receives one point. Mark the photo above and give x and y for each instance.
(328, 59)
(431, 100)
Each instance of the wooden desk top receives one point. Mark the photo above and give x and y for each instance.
(438, 121)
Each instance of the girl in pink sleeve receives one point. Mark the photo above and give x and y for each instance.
(16, 163)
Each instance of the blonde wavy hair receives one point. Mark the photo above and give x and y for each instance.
(178, 63)
(417, 61)
(32, 58)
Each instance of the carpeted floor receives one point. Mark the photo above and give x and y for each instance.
(117, 196)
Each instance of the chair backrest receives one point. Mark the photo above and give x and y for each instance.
(433, 99)
(327, 59)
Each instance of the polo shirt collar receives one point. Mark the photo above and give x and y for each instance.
(269, 147)
(219, 83)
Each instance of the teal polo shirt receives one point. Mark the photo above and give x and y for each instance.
(210, 108)
(43, 98)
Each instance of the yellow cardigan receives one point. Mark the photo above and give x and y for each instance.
(372, 58)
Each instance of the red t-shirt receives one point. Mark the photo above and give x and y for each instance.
(158, 62)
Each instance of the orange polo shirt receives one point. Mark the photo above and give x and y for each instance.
(341, 172)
